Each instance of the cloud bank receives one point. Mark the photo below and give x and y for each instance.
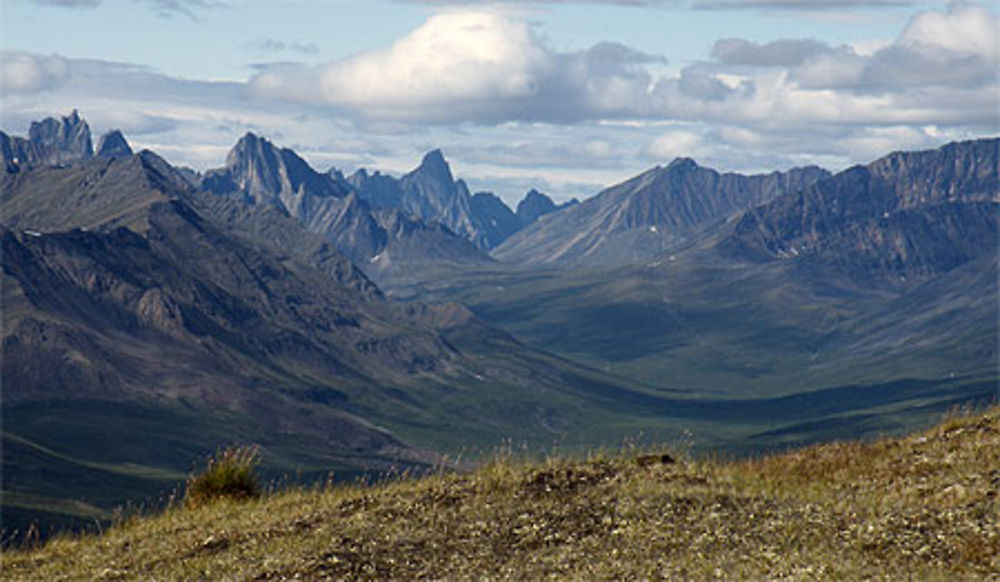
(489, 67)
(489, 89)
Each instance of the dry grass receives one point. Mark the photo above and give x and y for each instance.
(925, 507)
(229, 474)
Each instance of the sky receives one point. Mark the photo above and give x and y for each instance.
(561, 95)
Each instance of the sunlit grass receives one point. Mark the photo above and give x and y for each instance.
(921, 507)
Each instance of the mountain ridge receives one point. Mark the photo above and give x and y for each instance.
(646, 215)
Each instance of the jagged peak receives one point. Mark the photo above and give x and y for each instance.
(71, 134)
(251, 139)
(435, 156)
(683, 164)
(435, 163)
(113, 145)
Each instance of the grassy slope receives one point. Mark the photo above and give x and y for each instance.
(713, 331)
(924, 506)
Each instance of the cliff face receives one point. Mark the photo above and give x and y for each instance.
(907, 214)
(50, 142)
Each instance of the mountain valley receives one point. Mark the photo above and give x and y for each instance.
(354, 324)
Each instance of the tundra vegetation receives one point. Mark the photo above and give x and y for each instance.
(925, 506)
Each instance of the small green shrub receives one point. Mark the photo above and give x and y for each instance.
(229, 474)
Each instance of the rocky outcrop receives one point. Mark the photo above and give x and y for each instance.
(263, 173)
(50, 142)
(113, 145)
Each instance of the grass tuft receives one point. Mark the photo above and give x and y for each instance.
(229, 474)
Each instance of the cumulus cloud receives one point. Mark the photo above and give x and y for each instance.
(468, 66)
(957, 48)
(28, 73)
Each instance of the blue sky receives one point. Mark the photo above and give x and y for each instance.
(562, 95)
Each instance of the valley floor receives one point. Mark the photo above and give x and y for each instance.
(922, 507)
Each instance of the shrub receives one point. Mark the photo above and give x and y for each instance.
(229, 474)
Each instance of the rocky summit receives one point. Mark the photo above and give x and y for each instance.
(113, 145)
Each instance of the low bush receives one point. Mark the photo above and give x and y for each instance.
(229, 474)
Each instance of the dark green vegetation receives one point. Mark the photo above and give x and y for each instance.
(923, 507)
(152, 315)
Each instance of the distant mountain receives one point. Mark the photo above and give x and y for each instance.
(92, 193)
(535, 205)
(646, 215)
(907, 215)
(377, 189)
(113, 145)
(431, 193)
(329, 205)
(495, 220)
(264, 173)
(50, 142)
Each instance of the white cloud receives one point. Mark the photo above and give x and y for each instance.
(676, 144)
(464, 59)
(464, 65)
(27, 73)
(965, 28)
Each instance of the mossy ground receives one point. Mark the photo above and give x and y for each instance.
(922, 507)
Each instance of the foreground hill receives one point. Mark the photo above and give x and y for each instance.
(924, 507)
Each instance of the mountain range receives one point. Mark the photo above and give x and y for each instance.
(151, 313)
(647, 215)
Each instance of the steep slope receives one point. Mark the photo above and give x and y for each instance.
(908, 215)
(327, 204)
(113, 145)
(431, 193)
(377, 189)
(263, 173)
(91, 193)
(50, 142)
(646, 215)
(495, 219)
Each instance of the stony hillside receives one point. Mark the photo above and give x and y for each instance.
(909, 215)
(924, 507)
(646, 215)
